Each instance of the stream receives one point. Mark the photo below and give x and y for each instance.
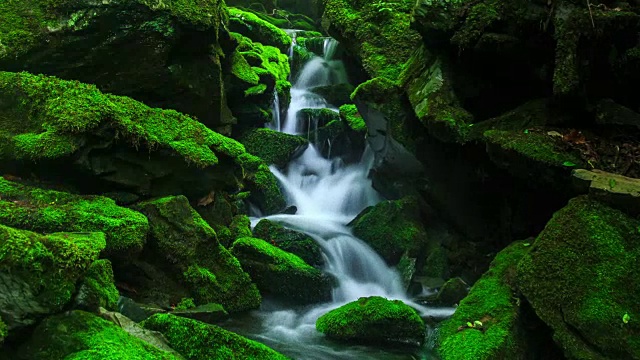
(328, 193)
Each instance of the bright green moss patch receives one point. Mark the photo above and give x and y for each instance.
(373, 320)
(271, 146)
(199, 341)
(581, 279)
(280, 273)
(98, 288)
(492, 301)
(80, 335)
(3, 331)
(391, 228)
(42, 271)
(50, 211)
(350, 114)
(534, 145)
(290, 241)
(250, 25)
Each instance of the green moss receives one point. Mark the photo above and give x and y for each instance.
(350, 114)
(280, 273)
(3, 331)
(256, 90)
(536, 146)
(391, 228)
(492, 300)
(97, 288)
(241, 69)
(290, 241)
(272, 146)
(198, 341)
(250, 25)
(49, 265)
(187, 245)
(587, 253)
(186, 304)
(373, 319)
(80, 335)
(49, 211)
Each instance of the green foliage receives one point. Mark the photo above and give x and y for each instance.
(49, 211)
(373, 319)
(185, 304)
(198, 341)
(80, 335)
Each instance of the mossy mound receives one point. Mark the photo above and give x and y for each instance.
(272, 146)
(185, 245)
(581, 279)
(39, 273)
(97, 289)
(290, 241)
(492, 301)
(252, 26)
(81, 335)
(48, 211)
(350, 115)
(391, 228)
(198, 341)
(373, 320)
(378, 32)
(166, 54)
(281, 274)
(50, 121)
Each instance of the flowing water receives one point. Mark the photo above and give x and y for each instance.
(327, 194)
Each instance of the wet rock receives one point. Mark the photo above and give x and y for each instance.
(292, 241)
(609, 112)
(587, 253)
(336, 95)
(97, 289)
(271, 146)
(38, 273)
(373, 320)
(452, 292)
(281, 274)
(208, 313)
(617, 191)
(132, 310)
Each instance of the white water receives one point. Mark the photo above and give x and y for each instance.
(328, 194)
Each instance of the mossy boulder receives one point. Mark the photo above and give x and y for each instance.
(39, 273)
(281, 274)
(165, 54)
(259, 30)
(186, 246)
(581, 279)
(336, 95)
(97, 289)
(272, 146)
(291, 241)
(391, 228)
(49, 211)
(81, 335)
(132, 146)
(350, 115)
(493, 302)
(200, 341)
(373, 320)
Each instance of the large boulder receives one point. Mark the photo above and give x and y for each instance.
(81, 335)
(581, 279)
(292, 241)
(49, 211)
(166, 54)
(200, 341)
(109, 142)
(488, 316)
(39, 273)
(373, 320)
(392, 228)
(281, 274)
(184, 245)
(272, 146)
(97, 289)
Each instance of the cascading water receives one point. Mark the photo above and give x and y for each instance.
(327, 194)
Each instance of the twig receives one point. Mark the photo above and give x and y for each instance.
(591, 14)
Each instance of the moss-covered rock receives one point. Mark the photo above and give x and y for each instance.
(3, 331)
(494, 303)
(145, 150)
(272, 146)
(252, 26)
(373, 320)
(49, 211)
(336, 95)
(81, 335)
(38, 274)
(186, 246)
(391, 228)
(350, 115)
(581, 279)
(281, 274)
(199, 341)
(289, 240)
(166, 54)
(97, 289)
